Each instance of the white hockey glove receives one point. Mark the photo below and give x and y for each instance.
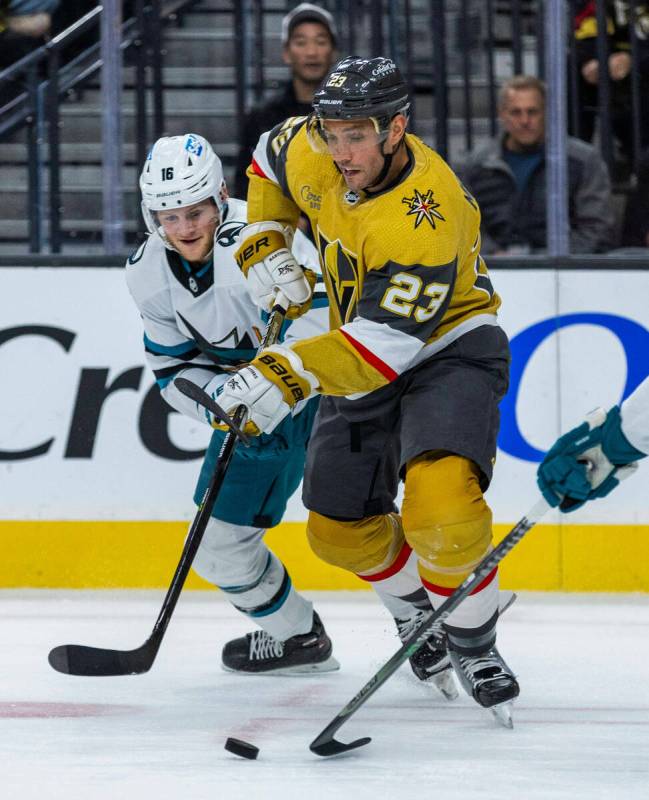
(269, 388)
(269, 267)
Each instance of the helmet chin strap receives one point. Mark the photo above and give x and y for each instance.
(387, 163)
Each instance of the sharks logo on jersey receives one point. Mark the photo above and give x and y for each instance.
(206, 334)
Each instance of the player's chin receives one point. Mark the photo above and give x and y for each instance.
(353, 179)
(194, 250)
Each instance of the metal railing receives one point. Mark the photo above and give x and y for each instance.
(47, 79)
(454, 54)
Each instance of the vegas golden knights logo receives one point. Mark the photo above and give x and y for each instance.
(340, 271)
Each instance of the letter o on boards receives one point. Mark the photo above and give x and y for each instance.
(633, 337)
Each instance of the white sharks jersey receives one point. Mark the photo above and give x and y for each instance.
(635, 417)
(202, 323)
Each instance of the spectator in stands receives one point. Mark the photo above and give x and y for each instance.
(507, 176)
(24, 26)
(309, 40)
(618, 15)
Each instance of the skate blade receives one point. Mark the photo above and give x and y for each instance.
(330, 665)
(502, 713)
(445, 684)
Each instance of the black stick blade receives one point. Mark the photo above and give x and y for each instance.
(77, 659)
(196, 394)
(328, 746)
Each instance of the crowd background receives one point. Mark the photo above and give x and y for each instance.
(234, 69)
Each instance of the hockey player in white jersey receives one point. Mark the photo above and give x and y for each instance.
(189, 290)
(588, 461)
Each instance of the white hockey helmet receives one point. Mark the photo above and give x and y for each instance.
(180, 171)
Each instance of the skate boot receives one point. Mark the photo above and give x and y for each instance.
(260, 654)
(431, 662)
(490, 682)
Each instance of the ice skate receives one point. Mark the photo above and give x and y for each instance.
(431, 662)
(489, 681)
(259, 653)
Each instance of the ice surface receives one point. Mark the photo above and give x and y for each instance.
(581, 723)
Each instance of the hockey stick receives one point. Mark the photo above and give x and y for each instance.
(202, 398)
(324, 744)
(76, 659)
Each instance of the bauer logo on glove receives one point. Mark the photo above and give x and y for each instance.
(269, 388)
(258, 249)
(289, 380)
(269, 267)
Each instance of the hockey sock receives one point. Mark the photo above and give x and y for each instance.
(399, 586)
(272, 602)
(236, 559)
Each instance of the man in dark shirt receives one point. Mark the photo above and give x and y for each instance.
(309, 39)
(507, 176)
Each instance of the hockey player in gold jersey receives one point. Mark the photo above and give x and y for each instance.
(411, 372)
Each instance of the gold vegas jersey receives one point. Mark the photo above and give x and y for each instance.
(402, 267)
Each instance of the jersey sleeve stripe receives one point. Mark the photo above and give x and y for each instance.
(257, 169)
(162, 382)
(168, 350)
(393, 347)
(166, 375)
(367, 355)
(261, 162)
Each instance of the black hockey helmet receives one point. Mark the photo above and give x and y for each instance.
(363, 88)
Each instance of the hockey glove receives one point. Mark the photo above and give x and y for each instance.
(269, 388)
(269, 267)
(587, 462)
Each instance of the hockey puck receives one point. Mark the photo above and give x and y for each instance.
(241, 748)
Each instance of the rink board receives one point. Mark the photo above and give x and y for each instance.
(89, 555)
(96, 475)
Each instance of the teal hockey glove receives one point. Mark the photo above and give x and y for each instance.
(587, 462)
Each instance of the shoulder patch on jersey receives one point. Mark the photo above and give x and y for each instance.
(423, 207)
(136, 255)
(227, 234)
